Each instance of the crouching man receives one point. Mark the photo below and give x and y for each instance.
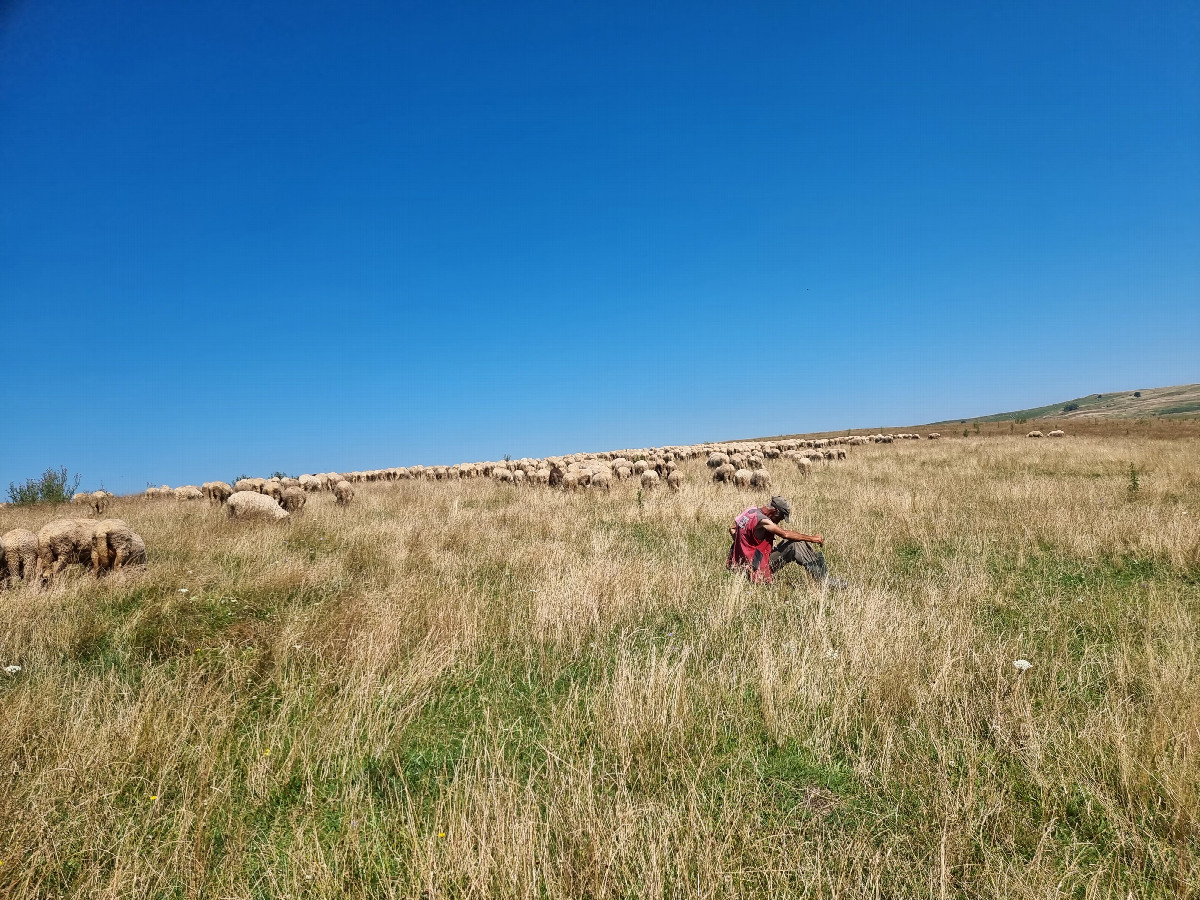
(754, 533)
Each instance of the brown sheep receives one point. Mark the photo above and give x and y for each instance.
(649, 480)
(760, 478)
(675, 480)
(343, 493)
(217, 491)
(742, 478)
(115, 544)
(61, 543)
(18, 549)
(294, 499)
(723, 473)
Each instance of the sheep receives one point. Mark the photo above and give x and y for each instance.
(723, 473)
(1034, 434)
(519, 477)
(675, 480)
(623, 472)
(61, 543)
(115, 544)
(640, 467)
(649, 480)
(100, 500)
(803, 465)
(310, 483)
(841, 454)
(248, 504)
(188, 492)
(217, 491)
(504, 476)
(756, 462)
(159, 493)
(272, 489)
(343, 493)
(246, 484)
(293, 499)
(81, 499)
(935, 436)
(602, 480)
(742, 478)
(1057, 433)
(760, 478)
(18, 555)
(570, 480)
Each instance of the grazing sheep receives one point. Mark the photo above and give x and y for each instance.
(61, 543)
(1056, 433)
(640, 467)
(742, 478)
(82, 499)
(649, 480)
(188, 492)
(1034, 434)
(245, 484)
(249, 504)
(723, 473)
(841, 454)
(570, 481)
(159, 493)
(18, 555)
(803, 465)
(602, 480)
(343, 493)
(294, 499)
(504, 476)
(217, 491)
(760, 478)
(272, 489)
(935, 436)
(115, 544)
(100, 501)
(310, 483)
(519, 476)
(675, 480)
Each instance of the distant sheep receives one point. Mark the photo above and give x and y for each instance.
(675, 480)
(251, 504)
(61, 543)
(18, 555)
(114, 545)
(760, 478)
(100, 501)
(159, 493)
(649, 480)
(343, 493)
(188, 492)
(602, 480)
(804, 465)
(742, 478)
(294, 499)
(723, 473)
(1034, 434)
(935, 436)
(217, 491)
(310, 483)
(1057, 433)
(273, 489)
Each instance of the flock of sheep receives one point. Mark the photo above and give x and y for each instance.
(102, 545)
(110, 543)
(740, 464)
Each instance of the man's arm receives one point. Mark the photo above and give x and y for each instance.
(771, 527)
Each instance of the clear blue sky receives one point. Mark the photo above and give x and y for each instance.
(239, 237)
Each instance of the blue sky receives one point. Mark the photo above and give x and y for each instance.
(247, 237)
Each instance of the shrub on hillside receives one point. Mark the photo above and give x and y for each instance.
(54, 486)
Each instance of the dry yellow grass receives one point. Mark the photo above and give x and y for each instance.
(470, 690)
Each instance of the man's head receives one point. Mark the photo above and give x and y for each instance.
(779, 509)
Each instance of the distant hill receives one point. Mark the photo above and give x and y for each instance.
(1180, 400)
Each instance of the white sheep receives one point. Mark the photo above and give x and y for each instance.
(649, 480)
(343, 493)
(115, 544)
(742, 478)
(1057, 433)
(1034, 434)
(675, 479)
(602, 480)
(188, 492)
(803, 465)
(249, 504)
(19, 550)
(760, 478)
(935, 436)
(723, 473)
(61, 543)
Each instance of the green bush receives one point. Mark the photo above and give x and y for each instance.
(1071, 407)
(54, 486)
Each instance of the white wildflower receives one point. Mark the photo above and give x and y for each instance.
(12, 670)
(1022, 664)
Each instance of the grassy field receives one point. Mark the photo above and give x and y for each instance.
(1178, 401)
(471, 690)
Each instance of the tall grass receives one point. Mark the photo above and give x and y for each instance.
(471, 690)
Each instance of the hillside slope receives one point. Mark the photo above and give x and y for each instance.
(1180, 400)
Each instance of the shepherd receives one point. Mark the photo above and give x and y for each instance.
(754, 533)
